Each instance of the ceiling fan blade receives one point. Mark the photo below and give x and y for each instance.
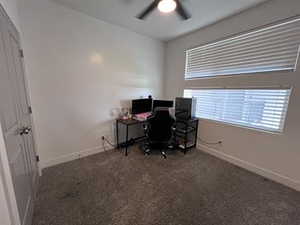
(148, 10)
(184, 14)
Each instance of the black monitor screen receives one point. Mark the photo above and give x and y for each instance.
(162, 103)
(141, 106)
(183, 108)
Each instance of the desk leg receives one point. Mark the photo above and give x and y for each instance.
(196, 138)
(117, 133)
(126, 148)
(185, 143)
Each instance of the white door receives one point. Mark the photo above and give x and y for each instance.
(24, 106)
(16, 121)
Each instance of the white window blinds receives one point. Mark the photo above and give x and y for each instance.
(263, 109)
(272, 48)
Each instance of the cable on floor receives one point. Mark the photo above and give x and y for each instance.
(209, 143)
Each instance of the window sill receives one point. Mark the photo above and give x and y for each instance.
(243, 127)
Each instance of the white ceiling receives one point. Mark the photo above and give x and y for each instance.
(159, 25)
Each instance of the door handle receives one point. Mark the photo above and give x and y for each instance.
(25, 130)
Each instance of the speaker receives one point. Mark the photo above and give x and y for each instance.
(185, 108)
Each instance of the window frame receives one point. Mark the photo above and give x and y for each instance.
(279, 132)
(278, 22)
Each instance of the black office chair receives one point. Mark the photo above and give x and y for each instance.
(159, 131)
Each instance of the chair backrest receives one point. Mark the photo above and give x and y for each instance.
(160, 125)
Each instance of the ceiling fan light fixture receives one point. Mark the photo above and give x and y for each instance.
(167, 6)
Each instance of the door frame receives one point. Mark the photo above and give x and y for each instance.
(8, 187)
(5, 173)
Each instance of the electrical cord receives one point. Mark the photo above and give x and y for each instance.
(209, 143)
(104, 139)
(103, 145)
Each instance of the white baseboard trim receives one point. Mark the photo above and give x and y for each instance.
(74, 156)
(295, 184)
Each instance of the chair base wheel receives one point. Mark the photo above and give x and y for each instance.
(147, 152)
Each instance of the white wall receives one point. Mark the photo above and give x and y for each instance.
(273, 155)
(81, 71)
(11, 9)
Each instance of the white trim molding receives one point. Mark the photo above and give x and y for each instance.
(287, 181)
(74, 156)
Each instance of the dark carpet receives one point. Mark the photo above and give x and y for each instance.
(192, 189)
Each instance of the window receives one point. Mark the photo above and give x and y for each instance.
(272, 48)
(263, 109)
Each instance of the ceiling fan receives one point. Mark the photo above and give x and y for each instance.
(165, 6)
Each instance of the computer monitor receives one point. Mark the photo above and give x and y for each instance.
(141, 105)
(185, 108)
(162, 103)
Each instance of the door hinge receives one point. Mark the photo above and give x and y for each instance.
(37, 158)
(29, 110)
(21, 53)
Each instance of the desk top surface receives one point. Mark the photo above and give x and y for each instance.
(130, 121)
